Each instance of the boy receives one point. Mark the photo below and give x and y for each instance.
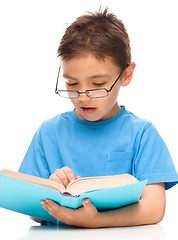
(100, 137)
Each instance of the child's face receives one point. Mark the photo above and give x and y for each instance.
(86, 73)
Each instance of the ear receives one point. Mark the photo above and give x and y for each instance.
(128, 74)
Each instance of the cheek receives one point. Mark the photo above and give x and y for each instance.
(112, 97)
(110, 102)
(74, 101)
(107, 103)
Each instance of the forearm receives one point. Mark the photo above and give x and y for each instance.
(146, 211)
(133, 215)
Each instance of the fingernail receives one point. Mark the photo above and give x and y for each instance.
(87, 201)
(44, 207)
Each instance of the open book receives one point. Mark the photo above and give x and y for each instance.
(78, 186)
(23, 193)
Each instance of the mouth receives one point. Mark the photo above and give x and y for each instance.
(88, 110)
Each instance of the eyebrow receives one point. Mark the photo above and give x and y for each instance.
(68, 77)
(91, 77)
(99, 76)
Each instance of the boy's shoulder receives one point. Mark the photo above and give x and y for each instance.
(56, 121)
(60, 117)
(135, 120)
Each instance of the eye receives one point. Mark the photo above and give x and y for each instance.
(71, 84)
(99, 84)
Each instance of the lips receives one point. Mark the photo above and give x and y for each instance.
(88, 110)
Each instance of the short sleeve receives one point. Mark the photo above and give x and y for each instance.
(153, 160)
(34, 162)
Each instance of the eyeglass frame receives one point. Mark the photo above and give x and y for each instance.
(57, 91)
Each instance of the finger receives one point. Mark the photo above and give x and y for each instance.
(48, 205)
(54, 178)
(62, 177)
(55, 209)
(69, 173)
(78, 177)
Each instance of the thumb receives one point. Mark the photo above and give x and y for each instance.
(88, 205)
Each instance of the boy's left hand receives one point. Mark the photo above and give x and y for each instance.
(86, 216)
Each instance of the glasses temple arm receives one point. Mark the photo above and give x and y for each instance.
(57, 79)
(117, 79)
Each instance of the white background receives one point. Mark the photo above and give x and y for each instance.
(30, 32)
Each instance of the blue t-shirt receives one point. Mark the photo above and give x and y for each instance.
(122, 144)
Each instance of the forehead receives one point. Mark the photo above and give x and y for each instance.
(88, 64)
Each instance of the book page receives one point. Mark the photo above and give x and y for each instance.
(94, 183)
(35, 180)
(78, 186)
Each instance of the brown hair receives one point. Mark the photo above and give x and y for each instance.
(101, 34)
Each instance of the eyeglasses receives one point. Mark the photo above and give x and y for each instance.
(94, 93)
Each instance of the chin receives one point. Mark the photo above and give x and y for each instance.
(93, 119)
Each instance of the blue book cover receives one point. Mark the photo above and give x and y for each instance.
(24, 197)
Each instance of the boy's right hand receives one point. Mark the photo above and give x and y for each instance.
(63, 176)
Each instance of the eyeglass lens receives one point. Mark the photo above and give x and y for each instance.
(92, 93)
(97, 93)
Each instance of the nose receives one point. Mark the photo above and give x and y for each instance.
(84, 97)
